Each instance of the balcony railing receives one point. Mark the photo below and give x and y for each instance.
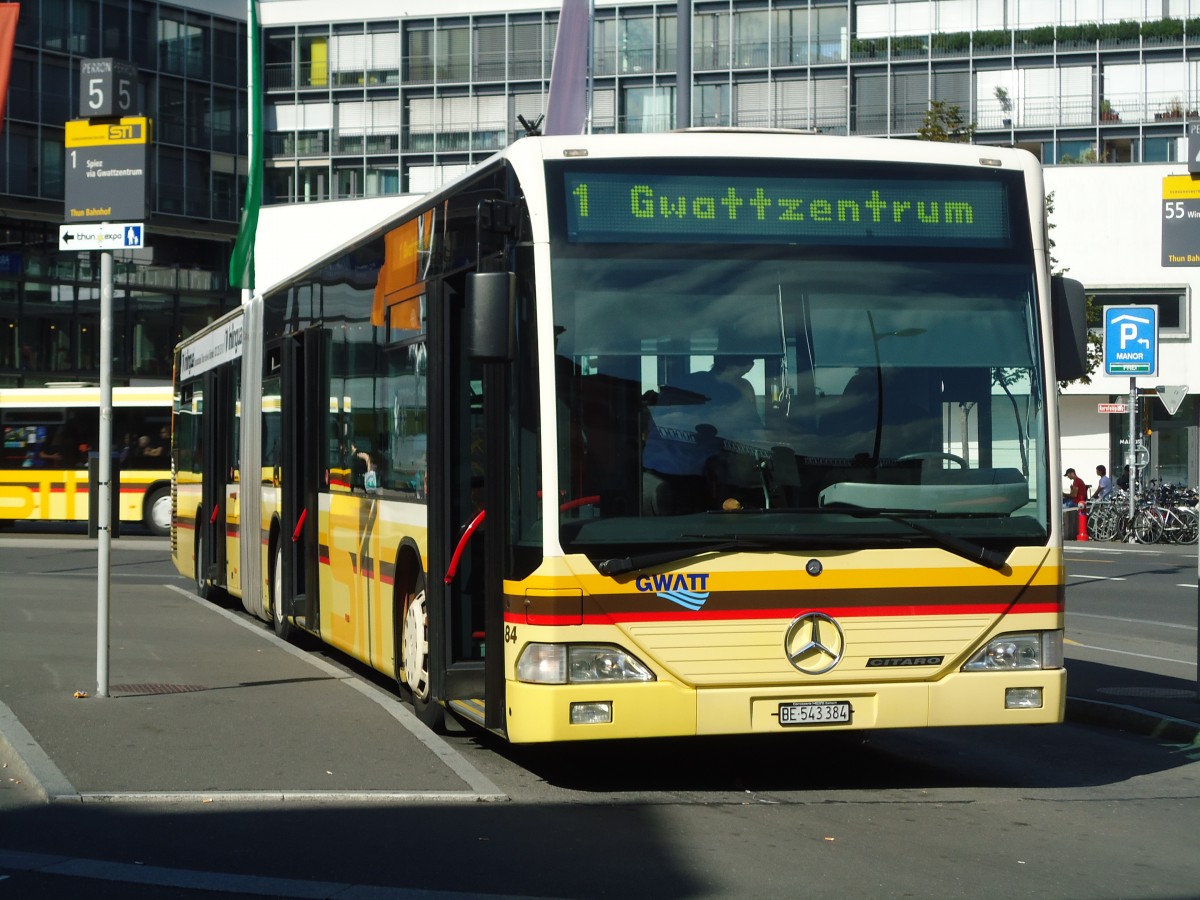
(295, 145)
(1113, 109)
(280, 77)
(449, 138)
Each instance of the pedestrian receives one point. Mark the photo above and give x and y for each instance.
(1104, 485)
(1077, 494)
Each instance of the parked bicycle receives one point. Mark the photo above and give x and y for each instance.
(1163, 513)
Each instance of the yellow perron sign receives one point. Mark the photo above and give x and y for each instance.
(1181, 221)
(107, 170)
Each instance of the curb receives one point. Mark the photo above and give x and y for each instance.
(28, 761)
(1133, 719)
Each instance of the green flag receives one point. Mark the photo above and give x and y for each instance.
(241, 263)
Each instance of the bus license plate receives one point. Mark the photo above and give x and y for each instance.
(815, 712)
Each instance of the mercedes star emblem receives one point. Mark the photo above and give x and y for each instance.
(814, 643)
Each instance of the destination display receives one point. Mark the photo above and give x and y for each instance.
(607, 207)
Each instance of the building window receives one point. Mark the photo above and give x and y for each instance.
(1171, 302)
(649, 109)
(524, 52)
(751, 48)
(1076, 151)
(453, 54)
(489, 52)
(637, 46)
(711, 105)
(1161, 150)
(604, 46)
(791, 37)
(710, 41)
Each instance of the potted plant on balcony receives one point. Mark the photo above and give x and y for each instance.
(1173, 111)
(1107, 113)
(1001, 94)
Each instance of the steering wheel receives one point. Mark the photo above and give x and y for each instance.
(935, 454)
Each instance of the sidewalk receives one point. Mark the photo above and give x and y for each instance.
(201, 704)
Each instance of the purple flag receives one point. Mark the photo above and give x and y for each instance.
(566, 107)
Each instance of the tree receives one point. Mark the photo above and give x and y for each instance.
(944, 122)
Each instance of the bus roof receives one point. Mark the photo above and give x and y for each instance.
(320, 225)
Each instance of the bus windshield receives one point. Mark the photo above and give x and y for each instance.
(817, 387)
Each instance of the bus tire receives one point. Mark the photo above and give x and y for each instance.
(156, 511)
(283, 625)
(415, 684)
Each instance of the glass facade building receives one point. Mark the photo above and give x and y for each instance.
(364, 107)
(191, 61)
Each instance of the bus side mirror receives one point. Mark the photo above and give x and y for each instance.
(1068, 314)
(491, 325)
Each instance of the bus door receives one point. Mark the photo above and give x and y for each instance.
(302, 374)
(458, 577)
(213, 463)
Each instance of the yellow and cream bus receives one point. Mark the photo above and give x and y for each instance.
(650, 435)
(48, 435)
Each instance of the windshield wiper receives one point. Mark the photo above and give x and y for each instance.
(968, 550)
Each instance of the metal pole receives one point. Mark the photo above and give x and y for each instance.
(683, 64)
(591, 67)
(104, 513)
(1133, 466)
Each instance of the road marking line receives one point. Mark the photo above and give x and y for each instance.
(1184, 662)
(1128, 549)
(1096, 577)
(1130, 621)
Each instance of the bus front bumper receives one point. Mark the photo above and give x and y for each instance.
(541, 713)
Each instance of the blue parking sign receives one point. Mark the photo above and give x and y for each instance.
(1131, 340)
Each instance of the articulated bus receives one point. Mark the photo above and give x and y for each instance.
(652, 435)
(48, 435)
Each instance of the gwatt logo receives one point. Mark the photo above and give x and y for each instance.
(689, 591)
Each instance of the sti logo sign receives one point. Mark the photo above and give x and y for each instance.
(1131, 340)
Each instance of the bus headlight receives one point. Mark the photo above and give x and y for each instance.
(579, 664)
(1015, 652)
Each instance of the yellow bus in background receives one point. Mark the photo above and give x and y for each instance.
(624, 436)
(48, 435)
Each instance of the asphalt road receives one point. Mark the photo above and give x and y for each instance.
(1062, 811)
(1134, 606)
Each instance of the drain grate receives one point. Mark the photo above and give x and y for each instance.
(1161, 693)
(156, 688)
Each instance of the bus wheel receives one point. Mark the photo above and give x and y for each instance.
(415, 657)
(157, 511)
(283, 625)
